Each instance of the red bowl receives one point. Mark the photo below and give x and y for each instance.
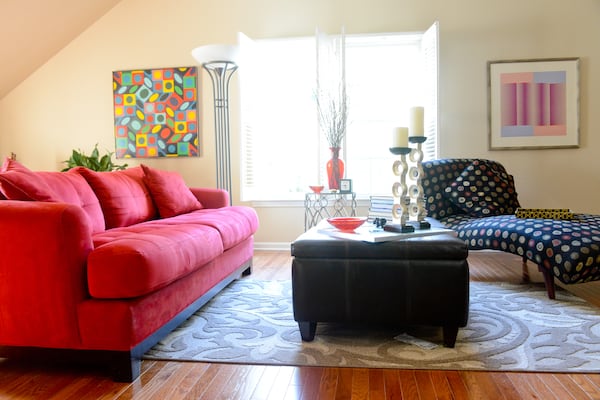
(347, 224)
(316, 189)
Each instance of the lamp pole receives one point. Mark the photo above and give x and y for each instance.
(218, 61)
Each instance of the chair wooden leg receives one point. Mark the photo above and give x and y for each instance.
(525, 273)
(548, 282)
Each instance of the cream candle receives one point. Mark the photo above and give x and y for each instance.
(400, 137)
(417, 121)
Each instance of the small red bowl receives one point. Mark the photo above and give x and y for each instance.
(316, 189)
(347, 224)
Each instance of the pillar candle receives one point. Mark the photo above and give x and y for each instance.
(416, 121)
(400, 137)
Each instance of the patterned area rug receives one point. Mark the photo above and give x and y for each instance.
(511, 328)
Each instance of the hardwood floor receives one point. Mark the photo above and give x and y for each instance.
(190, 380)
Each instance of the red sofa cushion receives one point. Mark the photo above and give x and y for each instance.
(234, 223)
(139, 259)
(123, 196)
(170, 193)
(19, 183)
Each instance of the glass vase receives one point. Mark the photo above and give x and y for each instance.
(335, 169)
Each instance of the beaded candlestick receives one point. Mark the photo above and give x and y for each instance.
(417, 195)
(400, 190)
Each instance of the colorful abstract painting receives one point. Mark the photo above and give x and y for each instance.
(156, 112)
(534, 103)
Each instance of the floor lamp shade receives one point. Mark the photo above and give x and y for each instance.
(220, 61)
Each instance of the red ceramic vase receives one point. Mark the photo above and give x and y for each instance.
(335, 169)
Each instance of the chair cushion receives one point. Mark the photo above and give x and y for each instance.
(19, 183)
(482, 190)
(123, 196)
(170, 193)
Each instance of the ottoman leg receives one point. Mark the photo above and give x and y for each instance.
(307, 330)
(450, 333)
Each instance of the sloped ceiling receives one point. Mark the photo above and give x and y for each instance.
(33, 31)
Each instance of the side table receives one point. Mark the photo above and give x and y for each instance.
(318, 206)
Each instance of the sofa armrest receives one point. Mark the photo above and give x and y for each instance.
(43, 252)
(212, 198)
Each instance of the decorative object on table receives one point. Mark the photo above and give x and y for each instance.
(533, 104)
(220, 61)
(370, 234)
(156, 112)
(545, 213)
(346, 224)
(332, 101)
(335, 169)
(381, 207)
(379, 222)
(410, 200)
(345, 185)
(317, 188)
(94, 161)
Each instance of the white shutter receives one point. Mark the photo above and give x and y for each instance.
(430, 53)
(247, 94)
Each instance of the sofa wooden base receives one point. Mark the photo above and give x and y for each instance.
(124, 366)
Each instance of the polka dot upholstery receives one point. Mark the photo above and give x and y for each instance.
(568, 249)
(483, 190)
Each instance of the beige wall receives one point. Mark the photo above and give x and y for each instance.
(68, 102)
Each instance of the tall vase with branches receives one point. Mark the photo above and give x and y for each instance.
(332, 101)
(333, 118)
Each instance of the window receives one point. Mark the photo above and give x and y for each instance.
(284, 152)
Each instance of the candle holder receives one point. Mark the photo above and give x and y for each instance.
(400, 191)
(418, 205)
(411, 201)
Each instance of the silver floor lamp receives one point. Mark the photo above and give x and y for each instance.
(220, 61)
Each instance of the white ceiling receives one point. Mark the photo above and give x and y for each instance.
(35, 30)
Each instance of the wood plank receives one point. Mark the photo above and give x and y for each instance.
(424, 384)
(360, 384)
(457, 385)
(408, 383)
(393, 391)
(376, 384)
(329, 382)
(344, 386)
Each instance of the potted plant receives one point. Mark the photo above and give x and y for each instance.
(93, 161)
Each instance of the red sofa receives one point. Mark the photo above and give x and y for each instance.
(102, 265)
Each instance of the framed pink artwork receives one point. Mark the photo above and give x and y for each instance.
(533, 104)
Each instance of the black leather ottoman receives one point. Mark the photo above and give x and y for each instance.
(417, 281)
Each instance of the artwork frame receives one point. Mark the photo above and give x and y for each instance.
(156, 112)
(533, 103)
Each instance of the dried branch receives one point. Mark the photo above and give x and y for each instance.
(332, 109)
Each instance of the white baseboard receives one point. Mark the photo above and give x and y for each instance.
(272, 246)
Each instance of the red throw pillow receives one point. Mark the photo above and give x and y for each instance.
(19, 183)
(170, 193)
(10, 165)
(25, 185)
(123, 195)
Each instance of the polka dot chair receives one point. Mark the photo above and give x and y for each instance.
(478, 199)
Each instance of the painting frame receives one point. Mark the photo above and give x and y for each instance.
(533, 103)
(156, 112)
